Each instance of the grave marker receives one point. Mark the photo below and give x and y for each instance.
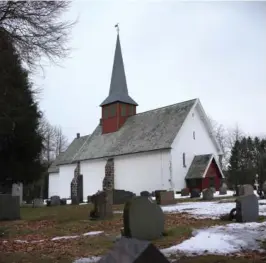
(247, 208)
(131, 250)
(9, 207)
(143, 219)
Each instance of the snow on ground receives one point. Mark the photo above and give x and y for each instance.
(219, 240)
(92, 233)
(228, 239)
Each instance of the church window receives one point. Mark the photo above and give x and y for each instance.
(105, 112)
(131, 110)
(194, 135)
(184, 160)
(123, 110)
(112, 110)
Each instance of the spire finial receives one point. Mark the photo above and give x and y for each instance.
(117, 28)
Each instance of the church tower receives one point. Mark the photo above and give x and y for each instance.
(118, 106)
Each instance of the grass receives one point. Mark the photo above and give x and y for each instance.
(47, 222)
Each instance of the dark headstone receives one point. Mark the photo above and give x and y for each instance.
(76, 188)
(247, 208)
(185, 192)
(143, 219)
(195, 193)
(165, 198)
(48, 203)
(131, 250)
(145, 193)
(63, 201)
(37, 202)
(207, 194)
(55, 200)
(223, 189)
(246, 189)
(9, 207)
(121, 196)
(213, 189)
(74, 200)
(102, 202)
(264, 187)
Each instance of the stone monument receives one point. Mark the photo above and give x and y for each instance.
(131, 250)
(143, 219)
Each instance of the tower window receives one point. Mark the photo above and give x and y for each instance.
(123, 110)
(131, 110)
(194, 135)
(112, 110)
(184, 160)
(105, 112)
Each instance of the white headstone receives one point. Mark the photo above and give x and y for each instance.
(17, 190)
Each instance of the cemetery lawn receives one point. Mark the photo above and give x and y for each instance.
(49, 222)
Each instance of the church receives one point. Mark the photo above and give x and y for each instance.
(167, 148)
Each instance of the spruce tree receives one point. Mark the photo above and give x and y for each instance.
(234, 165)
(20, 139)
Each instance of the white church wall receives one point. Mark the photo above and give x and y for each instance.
(185, 143)
(143, 171)
(93, 172)
(66, 174)
(53, 184)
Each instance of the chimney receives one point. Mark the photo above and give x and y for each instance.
(78, 135)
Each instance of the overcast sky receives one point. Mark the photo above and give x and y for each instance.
(173, 51)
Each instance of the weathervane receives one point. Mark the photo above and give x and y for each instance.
(117, 28)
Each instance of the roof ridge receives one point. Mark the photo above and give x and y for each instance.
(168, 106)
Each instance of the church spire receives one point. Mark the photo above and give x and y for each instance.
(118, 88)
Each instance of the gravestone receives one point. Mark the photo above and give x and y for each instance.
(102, 202)
(63, 201)
(145, 193)
(17, 190)
(207, 194)
(143, 219)
(223, 189)
(213, 189)
(55, 200)
(121, 196)
(37, 202)
(247, 208)
(195, 193)
(246, 189)
(165, 198)
(76, 186)
(264, 187)
(89, 199)
(131, 250)
(185, 192)
(9, 207)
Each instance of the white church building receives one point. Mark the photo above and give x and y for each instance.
(169, 148)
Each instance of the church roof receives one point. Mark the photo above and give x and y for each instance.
(54, 168)
(198, 166)
(147, 131)
(118, 88)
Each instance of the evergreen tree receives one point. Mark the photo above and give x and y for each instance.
(20, 139)
(234, 165)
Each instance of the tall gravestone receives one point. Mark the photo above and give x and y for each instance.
(131, 250)
(9, 207)
(17, 190)
(143, 219)
(76, 186)
(102, 202)
(207, 194)
(247, 208)
(246, 189)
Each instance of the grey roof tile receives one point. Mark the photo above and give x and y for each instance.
(118, 88)
(73, 149)
(147, 131)
(54, 168)
(198, 166)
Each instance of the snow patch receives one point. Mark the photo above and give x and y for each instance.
(87, 260)
(93, 233)
(222, 240)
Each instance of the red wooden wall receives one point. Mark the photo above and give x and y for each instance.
(113, 124)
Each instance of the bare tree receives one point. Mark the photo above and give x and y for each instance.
(49, 133)
(235, 134)
(35, 29)
(61, 142)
